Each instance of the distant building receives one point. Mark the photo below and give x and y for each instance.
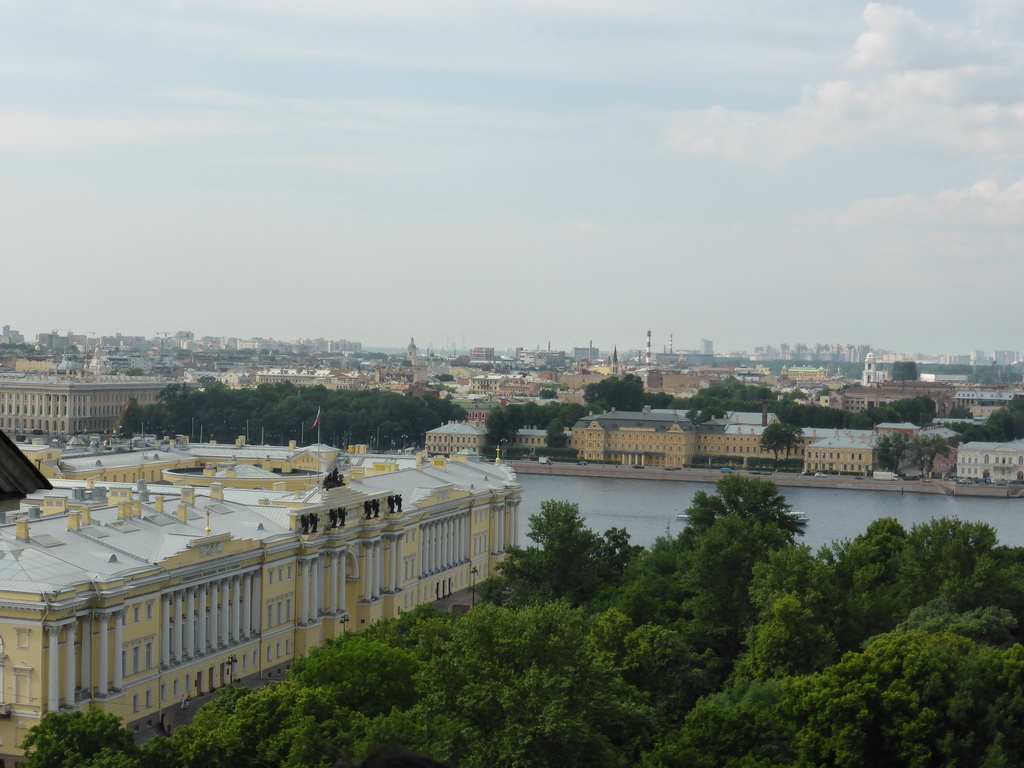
(49, 405)
(998, 462)
(453, 438)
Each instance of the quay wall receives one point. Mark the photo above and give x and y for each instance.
(782, 479)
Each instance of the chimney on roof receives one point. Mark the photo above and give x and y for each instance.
(21, 530)
(86, 516)
(158, 504)
(217, 491)
(74, 521)
(182, 513)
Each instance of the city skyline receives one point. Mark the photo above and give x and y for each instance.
(774, 350)
(450, 171)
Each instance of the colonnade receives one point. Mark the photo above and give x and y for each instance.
(314, 600)
(203, 618)
(444, 543)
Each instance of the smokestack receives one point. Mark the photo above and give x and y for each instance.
(648, 349)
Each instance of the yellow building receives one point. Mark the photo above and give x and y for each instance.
(654, 438)
(845, 452)
(453, 437)
(126, 597)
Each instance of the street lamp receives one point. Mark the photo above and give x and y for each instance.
(473, 572)
(232, 660)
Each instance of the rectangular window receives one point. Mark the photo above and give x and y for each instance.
(174, 688)
(270, 574)
(136, 614)
(270, 615)
(135, 703)
(288, 609)
(149, 703)
(149, 655)
(135, 660)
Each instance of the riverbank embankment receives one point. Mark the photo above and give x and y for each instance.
(782, 479)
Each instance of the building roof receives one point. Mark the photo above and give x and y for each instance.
(657, 419)
(458, 429)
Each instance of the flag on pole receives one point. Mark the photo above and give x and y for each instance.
(316, 421)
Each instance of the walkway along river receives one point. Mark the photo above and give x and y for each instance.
(645, 502)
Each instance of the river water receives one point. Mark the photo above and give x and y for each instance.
(647, 509)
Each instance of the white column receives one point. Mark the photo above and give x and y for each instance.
(305, 591)
(257, 604)
(53, 674)
(226, 607)
(247, 606)
(86, 665)
(439, 547)
(450, 536)
(214, 616)
(104, 632)
(393, 566)
(318, 590)
(118, 642)
(165, 630)
(379, 558)
(236, 613)
(69, 663)
(342, 583)
(202, 619)
(332, 592)
(190, 623)
(176, 647)
(368, 571)
(225, 610)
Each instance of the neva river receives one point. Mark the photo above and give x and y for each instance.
(647, 509)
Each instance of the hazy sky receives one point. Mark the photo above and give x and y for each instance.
(516, 173)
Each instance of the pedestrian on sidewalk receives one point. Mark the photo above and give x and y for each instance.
(183, 702)
(188, 700)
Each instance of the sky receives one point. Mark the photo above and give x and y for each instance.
(497, 173)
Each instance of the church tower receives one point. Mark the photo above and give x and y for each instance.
(871, 375)
(411, 351)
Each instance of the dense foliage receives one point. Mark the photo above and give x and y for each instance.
(730, 644)
(277, 413)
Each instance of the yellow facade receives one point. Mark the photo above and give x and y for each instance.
(648, 438)
(850, 454)
(127, 598)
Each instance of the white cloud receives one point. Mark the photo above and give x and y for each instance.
(919, 86)
(24, 130)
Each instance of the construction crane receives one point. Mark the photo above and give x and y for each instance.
(120, 417)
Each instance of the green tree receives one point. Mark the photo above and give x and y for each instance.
(570, 562)
(926, 448)
(78, 739)
(622, 394)
(527, 687)
(891, 450)
(779, 437)
(360, 674)
(749, 498)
